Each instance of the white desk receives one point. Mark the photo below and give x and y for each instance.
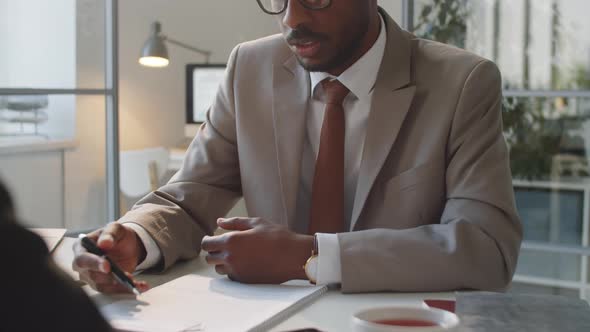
(331, 312)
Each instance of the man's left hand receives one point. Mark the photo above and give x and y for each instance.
(258, 251)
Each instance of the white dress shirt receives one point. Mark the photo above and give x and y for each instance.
(153, 253)
(360, 79)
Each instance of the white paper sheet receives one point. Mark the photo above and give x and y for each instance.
(197, 303)
(51, 236)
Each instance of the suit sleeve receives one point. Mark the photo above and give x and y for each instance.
(207, 186)
(475, 243)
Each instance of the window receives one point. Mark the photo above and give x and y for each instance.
(57, 87)
(542, 48)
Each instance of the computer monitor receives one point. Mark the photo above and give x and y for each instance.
(202, 82)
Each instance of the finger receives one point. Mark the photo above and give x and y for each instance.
(86, 277)
(94, 235)
(221, 269)
(215, 258)
(214, 243)
(106, 283)
(111, 234)
(99, 278)
(88, 261)
(83, 276)
(141, 285)
(236, 224)
(112, 288)
(77, 246)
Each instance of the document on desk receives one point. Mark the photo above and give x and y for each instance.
(51, 236)
(197, 303)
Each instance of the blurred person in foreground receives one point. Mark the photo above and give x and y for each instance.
(36, 295)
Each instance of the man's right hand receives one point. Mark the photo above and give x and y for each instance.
(123, 246)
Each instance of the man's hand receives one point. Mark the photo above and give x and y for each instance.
(258, 251)
(122, 245)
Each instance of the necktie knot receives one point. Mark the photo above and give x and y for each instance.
(335, 91)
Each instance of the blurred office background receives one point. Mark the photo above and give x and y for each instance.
(57, 152)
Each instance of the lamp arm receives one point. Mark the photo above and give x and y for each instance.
(207, 54)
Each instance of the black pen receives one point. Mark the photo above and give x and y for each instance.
(121, 277)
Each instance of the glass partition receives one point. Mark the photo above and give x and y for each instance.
(57, 114)
(542, 48)
(541, 44)
(56, 44)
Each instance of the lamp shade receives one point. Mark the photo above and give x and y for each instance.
(154, 52)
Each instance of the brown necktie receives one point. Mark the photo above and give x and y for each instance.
(327, 198)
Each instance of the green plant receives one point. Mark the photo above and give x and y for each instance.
(536, 129)
(536, 133)
(443, 21)
(579, 79)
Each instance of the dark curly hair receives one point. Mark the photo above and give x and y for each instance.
(6, 206)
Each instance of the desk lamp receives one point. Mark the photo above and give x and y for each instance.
(155, 53)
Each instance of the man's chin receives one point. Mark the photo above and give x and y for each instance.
(314, 66)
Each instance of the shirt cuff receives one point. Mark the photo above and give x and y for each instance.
(153, 254)
(329, 271)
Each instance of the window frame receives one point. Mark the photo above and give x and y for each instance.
(583, 285)
(111, 94)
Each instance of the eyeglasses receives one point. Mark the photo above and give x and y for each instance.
(276, 7)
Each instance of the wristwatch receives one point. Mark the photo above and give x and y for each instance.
(311, 266)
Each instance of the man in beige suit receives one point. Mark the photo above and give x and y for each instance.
(371, 157)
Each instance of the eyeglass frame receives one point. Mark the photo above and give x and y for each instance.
(302, 2)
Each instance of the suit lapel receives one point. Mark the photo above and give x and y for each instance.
(290, 103)
(392, 99)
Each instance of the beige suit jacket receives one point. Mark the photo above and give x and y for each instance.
(434, 209)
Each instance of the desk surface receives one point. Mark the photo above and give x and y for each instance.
(331, 312)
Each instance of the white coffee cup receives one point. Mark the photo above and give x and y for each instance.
(424, 319)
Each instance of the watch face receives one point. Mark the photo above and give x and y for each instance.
(311, 268)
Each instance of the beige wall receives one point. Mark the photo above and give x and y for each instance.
(152, 100)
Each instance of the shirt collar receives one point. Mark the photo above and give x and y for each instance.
(359, 78)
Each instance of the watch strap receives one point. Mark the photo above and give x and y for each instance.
(314, 256)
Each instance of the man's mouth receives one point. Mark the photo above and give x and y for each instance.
(306, 48)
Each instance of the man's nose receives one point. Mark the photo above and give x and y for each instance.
(296, 15)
